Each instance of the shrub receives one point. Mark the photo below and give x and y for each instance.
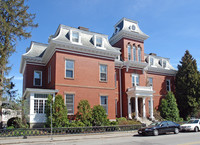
(76, 124)
(168, 108)
(59, 112)
(124, 121)
(99, 116)
(84, 113)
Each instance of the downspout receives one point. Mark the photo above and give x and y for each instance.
(120, 89)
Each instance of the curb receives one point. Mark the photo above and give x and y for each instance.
(47, 139)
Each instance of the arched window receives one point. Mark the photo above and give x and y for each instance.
(129, 52)
(139, 53)
(134, 53)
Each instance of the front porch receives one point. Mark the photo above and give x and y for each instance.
(136, 97)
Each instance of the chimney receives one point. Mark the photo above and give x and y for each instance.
(153, 54)
(83, 28)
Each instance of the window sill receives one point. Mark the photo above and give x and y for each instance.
(103, 81)
(37, 85)
(69, 78)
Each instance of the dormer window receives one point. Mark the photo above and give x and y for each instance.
(163, 63)
(98, 41)
(75, 37)
(151, 61)
(132, 27)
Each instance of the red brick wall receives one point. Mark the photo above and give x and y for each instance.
(86, 83)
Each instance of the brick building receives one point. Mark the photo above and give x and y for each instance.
(79, 64)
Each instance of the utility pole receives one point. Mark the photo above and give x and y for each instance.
(51, 120)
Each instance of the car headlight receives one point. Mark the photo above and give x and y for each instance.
(188, 126)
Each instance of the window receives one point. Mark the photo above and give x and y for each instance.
(104, 103)
(151, 61)
(99, 42)
(103, 73)
(135, 80)
(139, 53)
(40, 101)
(49, 74)
(164, 64)
(69, 68)
(70, 103)
(75, 37)
(37, 78)
(134, 53)
(129, 52)
(150, 82)
(168, 85)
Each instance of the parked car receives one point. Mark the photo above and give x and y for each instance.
(160, 128)
(192, 125)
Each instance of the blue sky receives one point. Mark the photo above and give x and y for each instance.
(173, 25)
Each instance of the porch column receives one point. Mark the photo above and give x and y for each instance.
(136, 107)
(151, 111)
(144, 107)
(129, 108)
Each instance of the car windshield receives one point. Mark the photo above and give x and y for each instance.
(193, 121)
(155, 123)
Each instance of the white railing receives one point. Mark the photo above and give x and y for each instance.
(141, 88)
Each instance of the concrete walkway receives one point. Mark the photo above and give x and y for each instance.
(46, 139)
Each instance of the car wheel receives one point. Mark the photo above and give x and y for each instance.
(196, 129)
(176, 131)
(155, 132)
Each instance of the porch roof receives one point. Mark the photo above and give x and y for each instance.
(140, 91)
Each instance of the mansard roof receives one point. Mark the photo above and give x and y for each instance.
(127, 28)
(41, 53)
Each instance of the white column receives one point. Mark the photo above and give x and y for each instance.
(144, 107)
(136, 107)
(151, 111)
(129, 108)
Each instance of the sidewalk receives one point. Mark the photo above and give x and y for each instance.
(46, 139)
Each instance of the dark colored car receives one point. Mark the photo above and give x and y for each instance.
(162, 127)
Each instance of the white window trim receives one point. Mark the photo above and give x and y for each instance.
(135, 75)
(153, 61)
(49, 74)
(149, 81)
(34, 78)
(134, 53)
(139, 56)
(162, 64)
(69, 69)
(69, 103)
(169, 85)
(79, 36)
(100, 72)
(129, 51)
(44, 99)
(106, 104)
(94, 40)
(38, 99)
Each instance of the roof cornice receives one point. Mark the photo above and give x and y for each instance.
(128, 34)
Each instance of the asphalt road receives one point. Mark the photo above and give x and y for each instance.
(186, 138)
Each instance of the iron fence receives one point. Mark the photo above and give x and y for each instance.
(65, 131)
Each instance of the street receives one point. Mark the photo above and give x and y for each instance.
(119, 138)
